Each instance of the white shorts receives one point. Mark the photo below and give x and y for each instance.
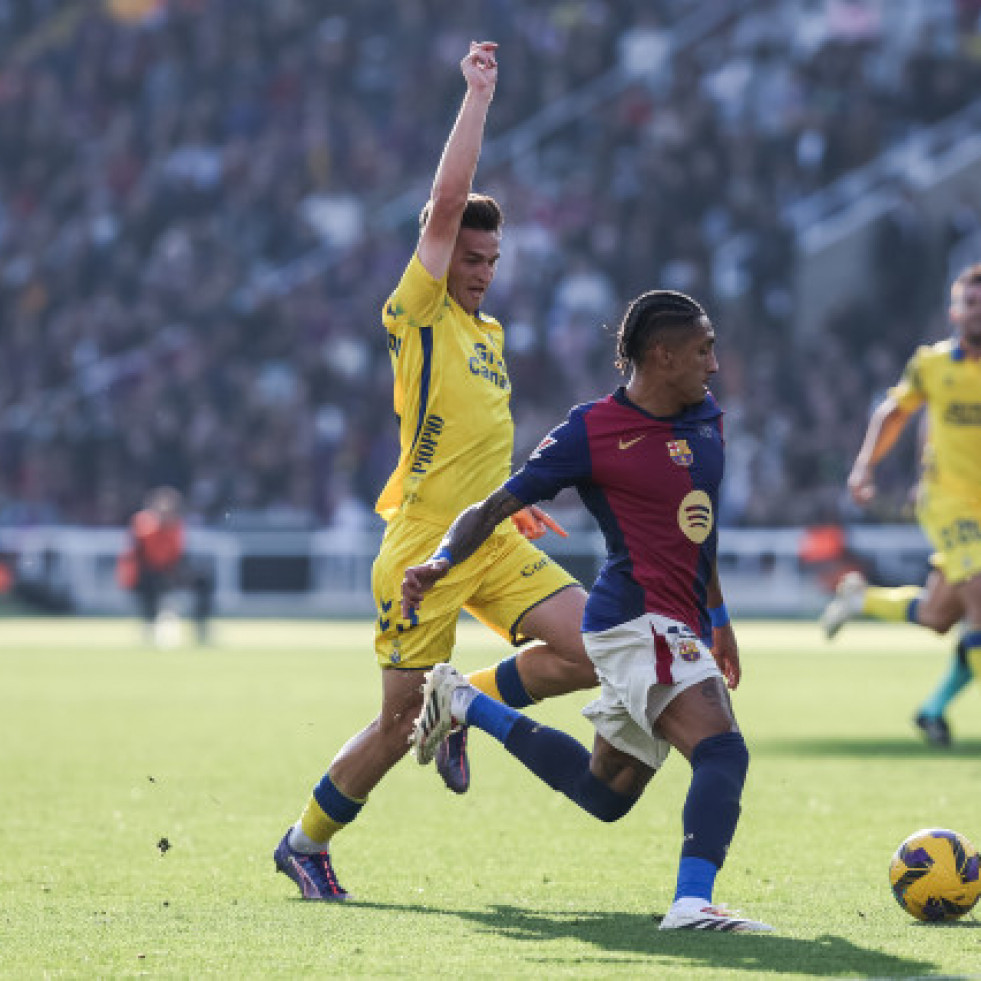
(642, 665)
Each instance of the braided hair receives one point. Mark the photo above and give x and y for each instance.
(648, 318)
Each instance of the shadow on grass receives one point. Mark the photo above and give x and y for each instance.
(638, 934)
(894, 748)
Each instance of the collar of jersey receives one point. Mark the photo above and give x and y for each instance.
(706, 409)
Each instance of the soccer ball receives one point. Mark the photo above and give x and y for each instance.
(934, 875)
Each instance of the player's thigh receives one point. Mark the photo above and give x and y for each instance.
(401, 695)
(557, 621)
(620, 737)
(644, 666)
(969, 594)
(953, 526)
(698, 712)
(427, 636)
(941, 605)
(513, 587)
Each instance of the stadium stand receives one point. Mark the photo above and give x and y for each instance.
(192, 261)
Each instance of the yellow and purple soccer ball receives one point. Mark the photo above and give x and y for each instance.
(935, 875)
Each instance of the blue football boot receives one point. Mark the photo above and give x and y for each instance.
(312, 873)
(452, 762)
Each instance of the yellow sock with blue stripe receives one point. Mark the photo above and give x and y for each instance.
(896, 604)
(485, 681)
(502, 683)
(327, 811)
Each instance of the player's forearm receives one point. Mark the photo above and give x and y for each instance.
(475, 525)
(885, 427)
(458, 164)
(713, 591)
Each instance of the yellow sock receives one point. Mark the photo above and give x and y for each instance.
(485, 680)
(891, 604)
(316, 825)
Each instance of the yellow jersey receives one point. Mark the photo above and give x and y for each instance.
(948, 383)
(452, 401)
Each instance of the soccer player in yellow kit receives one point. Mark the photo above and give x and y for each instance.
(452, 397)
(945, 378)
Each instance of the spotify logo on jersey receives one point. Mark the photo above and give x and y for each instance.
(695, 516)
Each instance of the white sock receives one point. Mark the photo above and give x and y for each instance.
(460, 702)
(300, 842)
(691, 902)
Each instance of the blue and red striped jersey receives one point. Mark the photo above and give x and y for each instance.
(652, 484)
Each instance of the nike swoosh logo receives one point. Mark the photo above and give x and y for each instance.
(625, 444)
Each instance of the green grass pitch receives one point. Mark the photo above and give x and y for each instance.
(108, 748)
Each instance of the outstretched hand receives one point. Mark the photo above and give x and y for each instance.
(533, 522)
(725, 650)
(418, 580)
(861, 484)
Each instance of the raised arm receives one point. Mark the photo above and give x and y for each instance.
(454, 175)
(470, 530)
(885, 427)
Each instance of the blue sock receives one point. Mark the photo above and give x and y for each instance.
(510, 685)
(563, 763)
(696, 877)
(492, 716)
(711, 811)
(958, 676)
(913, 610)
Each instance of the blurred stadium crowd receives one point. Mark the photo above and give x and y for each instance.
(204, 204)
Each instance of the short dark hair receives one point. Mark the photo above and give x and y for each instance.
(971, 276)
(481, 212)
(648, 318)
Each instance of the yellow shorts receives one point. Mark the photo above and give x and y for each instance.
(953, 525)
(498, 585)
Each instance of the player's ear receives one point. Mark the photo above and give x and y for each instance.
(661, 355)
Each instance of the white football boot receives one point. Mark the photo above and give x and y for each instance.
(436, 717)
(697, 914)
(846, 605)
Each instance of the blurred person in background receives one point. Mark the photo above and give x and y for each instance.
(156, 563)
(945, 378)
(452, 401)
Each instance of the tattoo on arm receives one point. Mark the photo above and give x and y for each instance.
(474, 526)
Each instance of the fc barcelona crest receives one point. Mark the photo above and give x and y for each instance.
(680, 452)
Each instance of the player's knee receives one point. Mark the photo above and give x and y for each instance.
(938, 623)
(551, 669)
(583, 675)
(601, 800)
(393, 727)
(727, 755)
(571, 652)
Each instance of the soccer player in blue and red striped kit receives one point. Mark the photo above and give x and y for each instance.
(647, 462)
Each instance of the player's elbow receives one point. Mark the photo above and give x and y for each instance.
(446, 206)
